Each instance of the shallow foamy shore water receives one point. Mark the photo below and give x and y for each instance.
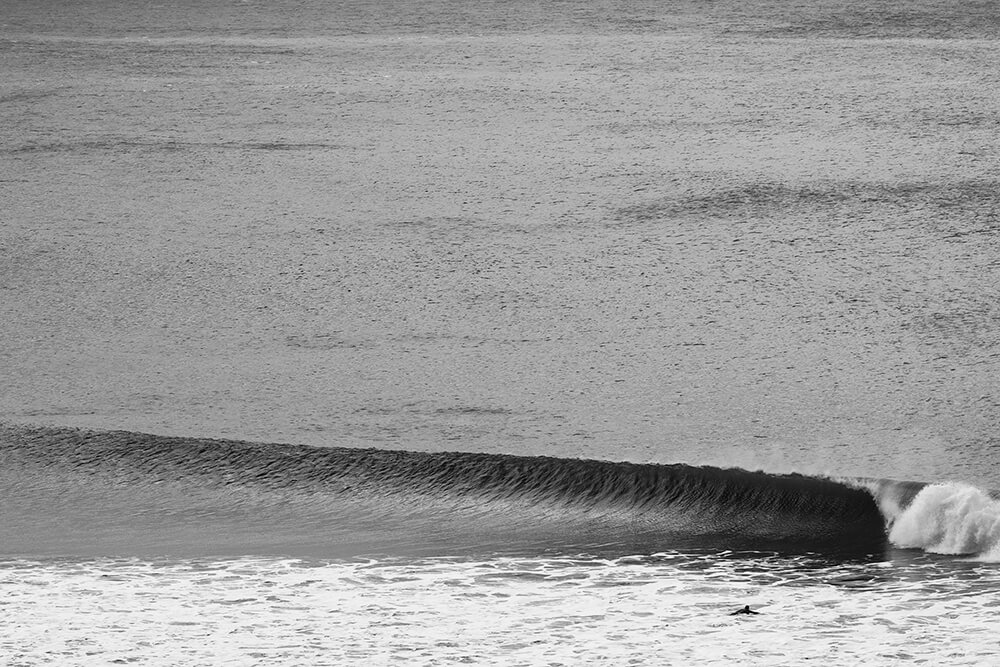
(640, 610)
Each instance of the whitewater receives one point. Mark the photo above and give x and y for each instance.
(645, 610)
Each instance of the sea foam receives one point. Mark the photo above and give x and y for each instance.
(669, 608)
(948, 518)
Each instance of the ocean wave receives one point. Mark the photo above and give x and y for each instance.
(122, 489)
(950, 518)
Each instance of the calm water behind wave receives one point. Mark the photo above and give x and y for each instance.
(769, 248)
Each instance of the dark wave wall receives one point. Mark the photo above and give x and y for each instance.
(123, 492)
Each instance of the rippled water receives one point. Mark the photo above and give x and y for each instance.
(770, 246)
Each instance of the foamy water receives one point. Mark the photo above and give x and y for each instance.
(950, 519)
(662, 609)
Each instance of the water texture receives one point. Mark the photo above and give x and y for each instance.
(585, 324)
(648, 610)
(691, 245)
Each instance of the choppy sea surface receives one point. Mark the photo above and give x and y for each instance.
(585, 325)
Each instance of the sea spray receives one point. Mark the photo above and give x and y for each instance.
(892, 496)
(950, 518)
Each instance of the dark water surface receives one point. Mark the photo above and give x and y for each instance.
(78, 493)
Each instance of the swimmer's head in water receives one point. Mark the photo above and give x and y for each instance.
(745, 610)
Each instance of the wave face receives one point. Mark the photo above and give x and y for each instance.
(77, 492)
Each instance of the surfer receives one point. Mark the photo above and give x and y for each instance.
(746, 610)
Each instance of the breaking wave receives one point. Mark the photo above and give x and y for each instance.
(72, 492)
(949, 518)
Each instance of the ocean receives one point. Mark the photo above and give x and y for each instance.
(126, 548)
(550, 333)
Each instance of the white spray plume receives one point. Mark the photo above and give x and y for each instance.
(949, 518)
